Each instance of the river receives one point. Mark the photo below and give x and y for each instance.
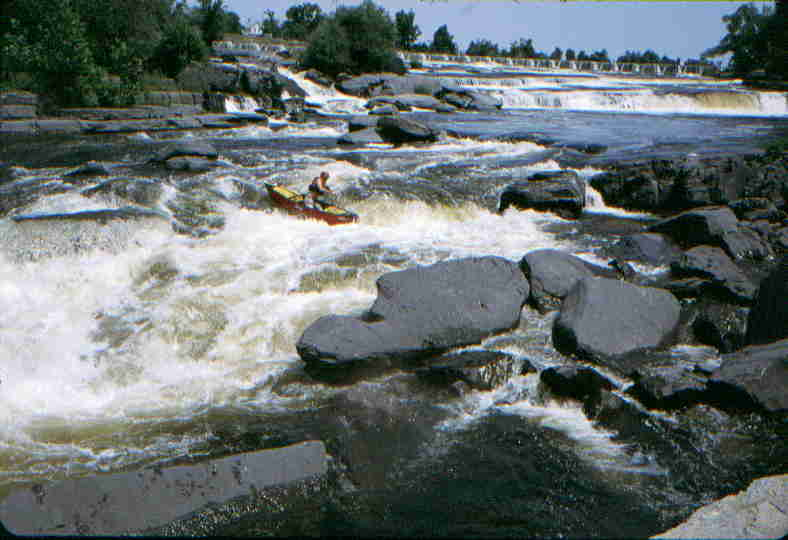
(133, 343)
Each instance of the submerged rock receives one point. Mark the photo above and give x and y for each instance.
(481, 370)
(421, 311)
(602, 318)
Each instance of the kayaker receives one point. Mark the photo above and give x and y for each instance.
(318, 187)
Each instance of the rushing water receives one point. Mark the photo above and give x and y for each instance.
(128, 343)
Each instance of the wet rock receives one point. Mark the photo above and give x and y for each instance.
(391, 101)
(575, 382)
(190, 164)
(481, 370)
(137, 190)
(186, 149)
(779, 239)
(768, 318)
(384, 110)
(755, 377)
(756, 208)
(699, 226)
(421, 311)
(131, 502)
(667, 388)
(359, 122)
(562, 192)
(361, 137)
(711, 263)
(317, 77)
(91, 168)
(613, 412)
(649, 248)
(758, 512)
(720, 325)
(469, 99)
(398, 130)
(603, 318)
(18, 194)
(745, 244)
(101, 216)
(552, 274)
(634, 192)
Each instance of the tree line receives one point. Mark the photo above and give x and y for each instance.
(83, 52)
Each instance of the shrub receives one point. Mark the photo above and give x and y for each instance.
(181, 44)
(354, 40)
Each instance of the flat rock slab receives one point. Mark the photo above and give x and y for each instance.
(759, 512)
(135, 501)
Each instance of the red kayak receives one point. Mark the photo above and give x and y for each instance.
(293, 203)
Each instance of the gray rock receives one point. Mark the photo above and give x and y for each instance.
(362, 137)
(649, 248)
(57, 127)
(359, 122)
(768, 318)
(562, 192)
(187, 148)
(667, 388)
(603, 318)
(137, 190)
(398, 130)
(552, 274)
(17, 112)
(91, 168)
(394, 101)
(131, 502)
(384, 110)
(423, 310)
(720, 325)
(638, 191)
(713, 264)
(758, 373)
(101, 216)
(759, 512)
(190, 164)
(575, 382)
(744, 243)
(705, 225)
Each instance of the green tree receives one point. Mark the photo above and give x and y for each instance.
(749, 30)
(570, 54)
(301, 20)
(522, 49)
(407, 30)
(271, 25)
(357, 39)
(557, 54)
(46, 39)
(482, 47)
(181, 45)
(212, 19)
(443, 41)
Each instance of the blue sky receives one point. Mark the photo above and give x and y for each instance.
(677, 29)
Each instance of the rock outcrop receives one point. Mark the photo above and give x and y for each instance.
(562, 192)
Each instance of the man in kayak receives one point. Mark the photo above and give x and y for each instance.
(318, 187)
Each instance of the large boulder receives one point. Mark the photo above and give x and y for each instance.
(768, 318)
(711, 263)
(755, 375)
(361, 137)
(668, 387)
(552, 274)
(562, 192)
(754, 513)
(421, 311)
(719, 324)
(581, 383)
(699, 226)
(603, 318)
(187, 148)
(469, 99)
(398, 130)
